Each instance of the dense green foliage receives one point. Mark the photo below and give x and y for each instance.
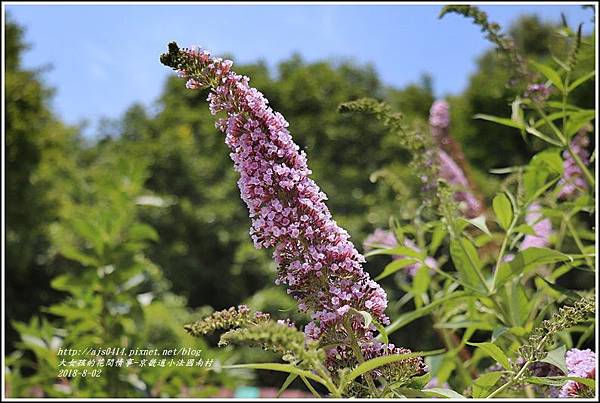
(38, 167)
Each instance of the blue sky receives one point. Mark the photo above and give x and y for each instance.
(105, 57)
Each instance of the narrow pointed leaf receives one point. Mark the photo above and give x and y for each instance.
(385, 360)
(494, 351)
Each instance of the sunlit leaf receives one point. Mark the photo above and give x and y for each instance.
(550, 74)
(501, 121)
(529, 259)
(484, 385)
(493, 351)
(557, 357)
(385, 360)
(581, 80)
(502, 210)
(441, 392)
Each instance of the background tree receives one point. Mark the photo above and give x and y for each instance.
(40, 157)
(486, 146)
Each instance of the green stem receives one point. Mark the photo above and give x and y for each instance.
(588, 176)
(578, 241)
(479, 274)
(555, 129)
(509, 231)
(520, 373)
(499, 261)
(333, 390)
(310, 387)
(559, 239)
(359, 356)
(565, 95)
(510, 382)
(450, 346)
(503, 316)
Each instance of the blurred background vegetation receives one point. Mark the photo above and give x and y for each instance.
(122, 238)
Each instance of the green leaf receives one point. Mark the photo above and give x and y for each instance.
(498, 331)
(447, 364)
(550, 74)
(421, 280)
(466, 261)
(518, 331)
(539, 191)
(581, 80)
(557, 357)
(437, 238)
(573, 114)
(384, 360)
(501, 121)
(310, 387)
(559, 105)
(410, 393)
(544, 283)
(397, 250)
(87, 229)
(503, 210)
(524, 229)
(418, 382)
(518, 303)
(394, 266)
(494, 351)
(287, 383)
(465, 324)
(442, 392)
(368, 319)
(61, 283)
(67, 311)
(72, 253)
(577, 120)
(561, 63)
(560, 380)
(483, 240)
(141, 232)
(541, 166)
(549, 159)
(540, 135)
(280, 368)
(33, 341)
(528, 259)
(478, 222)
(484, 385)
(551, 117)
(408, 317)
(382, 331)
(505, 170)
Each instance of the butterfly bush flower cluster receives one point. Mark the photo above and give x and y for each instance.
(383, 238)
(448, 169)
(439, 119)
(572, 180)
(542, 228)
(538, 92)
(316, 260)
(542, 231)
(451, 172)
(581, 364)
